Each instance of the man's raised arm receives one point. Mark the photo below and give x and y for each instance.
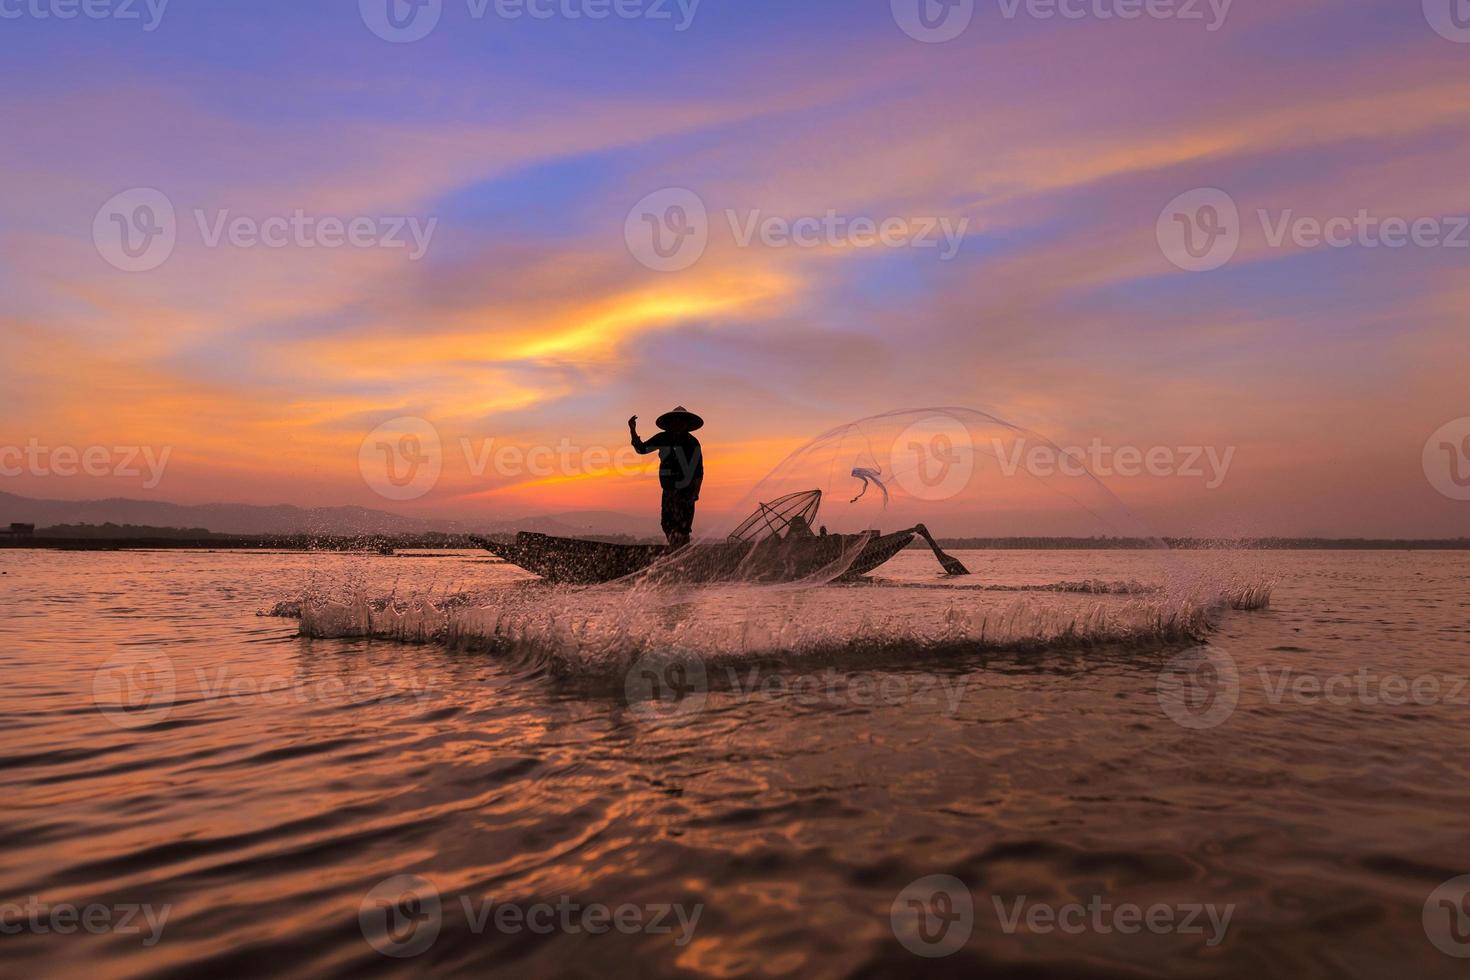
(641, 447)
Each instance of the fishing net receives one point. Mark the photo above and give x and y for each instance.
(780, 517)
(850, 500)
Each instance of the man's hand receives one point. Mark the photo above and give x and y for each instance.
(633, 423)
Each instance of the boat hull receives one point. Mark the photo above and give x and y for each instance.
(571, 561)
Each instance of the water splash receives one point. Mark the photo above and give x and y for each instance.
(603, 630)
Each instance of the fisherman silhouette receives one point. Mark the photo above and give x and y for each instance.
(680, 469)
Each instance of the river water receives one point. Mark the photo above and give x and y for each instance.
(331, 765)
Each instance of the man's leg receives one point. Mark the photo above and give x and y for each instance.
(669, 518)
(678, 518)
(686, 518)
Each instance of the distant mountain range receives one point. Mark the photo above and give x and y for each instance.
(287, 519)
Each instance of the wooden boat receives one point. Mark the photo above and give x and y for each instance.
(775, 544)
(576, 562)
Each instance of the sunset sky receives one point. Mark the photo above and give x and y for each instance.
(525, 143)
